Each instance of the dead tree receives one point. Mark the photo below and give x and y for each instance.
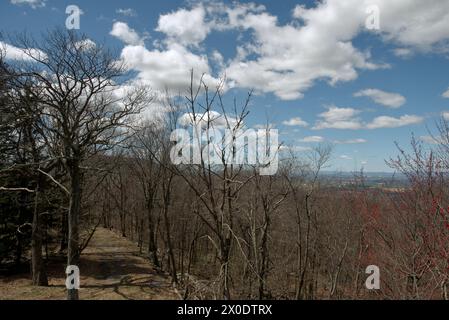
(216, 184)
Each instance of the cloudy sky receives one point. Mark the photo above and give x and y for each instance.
(322, 71)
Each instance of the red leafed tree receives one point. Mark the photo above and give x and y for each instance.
(422, 248)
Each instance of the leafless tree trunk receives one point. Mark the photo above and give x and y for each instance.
(306, 173)
(38, 269)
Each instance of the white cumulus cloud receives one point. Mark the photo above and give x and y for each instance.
(15, 53)
(339, 118)
(347, 118)
(126, 34)
(187, 27)
(391, 122)
(295, 122)
(318, 43)
(388, 99)
(168, 69)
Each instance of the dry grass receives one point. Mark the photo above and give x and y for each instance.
(111, 269)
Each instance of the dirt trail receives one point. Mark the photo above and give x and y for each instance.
(110, 268)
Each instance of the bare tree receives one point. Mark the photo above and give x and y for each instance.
(216, 185)
(76, 84)
(303, 180)
(422, 217)
(145, 148)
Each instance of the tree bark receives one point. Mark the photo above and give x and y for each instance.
(38, 271)
(168, 235)
(152, 247)
(73, 223)
(224, 258)
(64, 231)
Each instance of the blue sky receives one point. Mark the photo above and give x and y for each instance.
(319, 73)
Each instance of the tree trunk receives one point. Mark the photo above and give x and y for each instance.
(64, 232)
(73, 223)
(39, 274)
(302, 273)
(152, 247)
(264, 257)
(19, 250)
(167, 233)
(225, 250)
(444, 292)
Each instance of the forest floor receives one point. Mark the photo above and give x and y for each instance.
(111, 269)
